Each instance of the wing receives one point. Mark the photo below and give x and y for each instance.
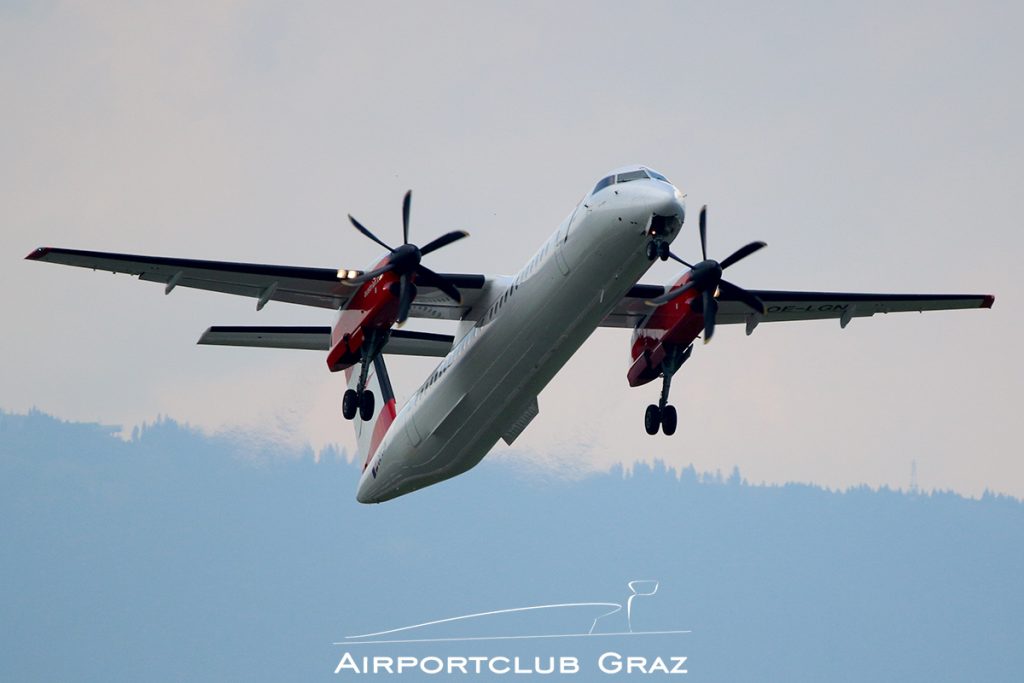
(785, 306)
(633, 309)
(320, 287)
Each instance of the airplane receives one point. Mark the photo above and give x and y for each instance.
(512, 333)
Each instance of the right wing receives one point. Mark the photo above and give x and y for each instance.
(320, 287)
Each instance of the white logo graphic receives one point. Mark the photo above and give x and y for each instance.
(419, 633)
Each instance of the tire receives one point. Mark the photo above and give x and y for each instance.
(652, 251)
(652, 419)
(663, 250)
(349, 404)
(366, 406)
(669, 420)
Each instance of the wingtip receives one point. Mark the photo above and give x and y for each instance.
(987, 301)
(38, 253)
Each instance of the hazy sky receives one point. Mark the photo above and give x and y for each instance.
(875, 147)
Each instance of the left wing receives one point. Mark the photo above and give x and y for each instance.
(633, 308)
(320, 287)
(786, 306)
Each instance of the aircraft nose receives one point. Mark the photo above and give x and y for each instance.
(657, 198)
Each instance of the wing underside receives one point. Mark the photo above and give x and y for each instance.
(783, 306)
(319, 287)
(322, 288)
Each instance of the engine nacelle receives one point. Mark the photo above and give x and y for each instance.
(673, 325)
(368, 317)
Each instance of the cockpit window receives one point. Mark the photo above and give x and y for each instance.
(603, 183)
(631, 175)
(641, 174)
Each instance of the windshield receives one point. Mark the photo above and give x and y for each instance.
(626, 176)
(631, 175)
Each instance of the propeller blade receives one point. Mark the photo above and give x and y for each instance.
(670, 295)
(742, 253)
(710, 313)
(425, 276)
(406, 296)
(704, 231)
(676, 258)
(443, 241)
(366, 277)
(362, 228)
(406, 206)
(731, 291)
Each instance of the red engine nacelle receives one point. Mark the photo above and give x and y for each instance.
(673, 325)
(372, 311)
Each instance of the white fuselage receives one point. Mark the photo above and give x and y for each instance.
(532, 324)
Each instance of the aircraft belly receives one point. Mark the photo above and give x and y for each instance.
(516, 355)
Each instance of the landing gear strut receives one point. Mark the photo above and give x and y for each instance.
(361, 399)
(663, 415)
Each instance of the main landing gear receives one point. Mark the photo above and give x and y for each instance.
(357, 401)
(663, 415)
(360, 400)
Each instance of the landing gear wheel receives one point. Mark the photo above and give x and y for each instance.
(366, 406)
(349, 404)
(669, 420)
(652, 419)
(652, 250)
(663, 249)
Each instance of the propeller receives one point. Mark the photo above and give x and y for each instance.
(405, 262)
(706, 278)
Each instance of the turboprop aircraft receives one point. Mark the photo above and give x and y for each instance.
(512, 333)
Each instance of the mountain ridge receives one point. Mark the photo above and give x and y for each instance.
(177, 555)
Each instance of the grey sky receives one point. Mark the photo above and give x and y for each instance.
(873, 146)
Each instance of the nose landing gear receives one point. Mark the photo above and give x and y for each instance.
(663, 416)
(661, 227)
(657, 249)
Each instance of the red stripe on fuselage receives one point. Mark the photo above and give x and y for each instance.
(380, 428)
